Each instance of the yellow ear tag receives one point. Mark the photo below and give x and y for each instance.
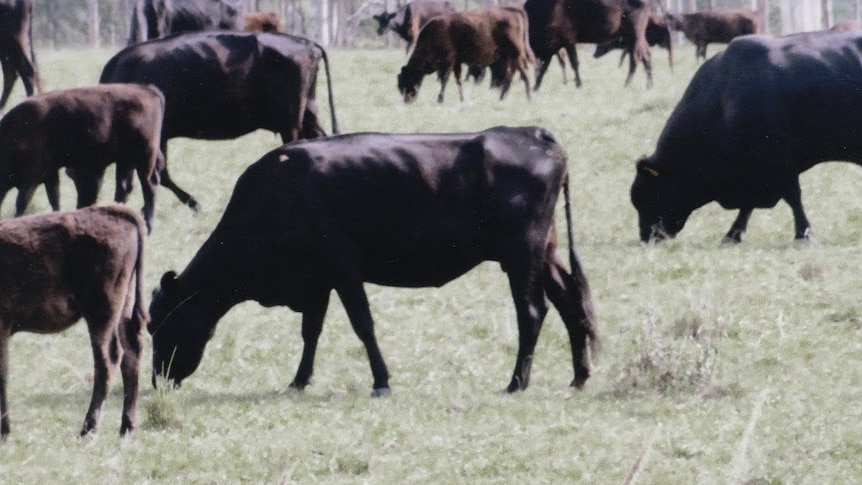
(651, 171)
(283, 158)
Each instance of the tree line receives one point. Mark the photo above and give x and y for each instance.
(348, 23)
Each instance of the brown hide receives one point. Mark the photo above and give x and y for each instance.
(61, 267)
(477, 37)
(262, 22)
(704, 28)
(85, 130)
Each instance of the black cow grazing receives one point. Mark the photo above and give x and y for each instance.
(753, 118)
(399, 210)
(17, 56)
(409, 19)
(478, 37)
(152, 19)
(561, 24)
(61, 267)
(657, 34)
(704, 28)
(220, 85)
(85, 130)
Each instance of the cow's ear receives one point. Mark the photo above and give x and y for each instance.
(168, 282)
(647, 168)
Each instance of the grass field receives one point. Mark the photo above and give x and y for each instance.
(720, 364)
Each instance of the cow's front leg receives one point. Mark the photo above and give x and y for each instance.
(4, 372)
(312, 325)
(457, 71)
(355, 302)
(443, 75)
(530, 309)
(737, 229)
(793, 197)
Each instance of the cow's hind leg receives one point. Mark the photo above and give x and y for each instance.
(107, 351)
(541, 68)
(737, 229)
(443, 75)
(52, 188)
(88, 183)
(457, 71)
(25, 195)
(574, 303)
(131, 338)
(530, 309)
(573, 60)
(4, 375)
(312, 325)
(793, 197)
(10, 74)
(355, 302)
(166, 182)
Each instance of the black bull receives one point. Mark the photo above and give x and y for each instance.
(398, 210)
(752, 119)
(223, 85)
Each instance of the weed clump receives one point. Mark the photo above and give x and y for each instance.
(161, 411)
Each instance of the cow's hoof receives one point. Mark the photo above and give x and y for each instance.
(193, 205)
(294, 387)
(578, 382)
(381, 392)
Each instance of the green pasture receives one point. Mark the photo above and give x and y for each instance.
(720, 364)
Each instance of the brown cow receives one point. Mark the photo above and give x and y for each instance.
(657, 34)
(479, 37)
(17, 56)
(703, 28)
(61, 267)
(262, 22)
(846, 26)
(84, 130)
(409, 19)
(561, 24)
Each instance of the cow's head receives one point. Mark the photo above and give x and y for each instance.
(656, 196)
(180, 328)
(383, 21)
(408, 83)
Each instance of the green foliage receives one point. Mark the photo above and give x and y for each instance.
(704, 329)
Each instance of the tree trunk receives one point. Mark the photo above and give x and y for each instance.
(323, 22)
(800, 16)
(762, 6)
(826, 13)
(93, 23)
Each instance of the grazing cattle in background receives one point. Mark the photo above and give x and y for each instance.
(85, 130)
(478, 37)
(17, 56)
(152, 19)
(61, 267)
(261, 22)
(221, 85)
(409, 19)
(657, 34)
(846, 26)
(754, 117)
(703, 28)
(561, 24)
(414, 210)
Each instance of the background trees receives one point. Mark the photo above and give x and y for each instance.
(348, 23)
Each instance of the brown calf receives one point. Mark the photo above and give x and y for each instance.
(477, 37)
(261, 22)
(84, 130)
(61, 267)
(704, 28)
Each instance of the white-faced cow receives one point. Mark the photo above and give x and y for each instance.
(85, 130)
(477, 37)
(220, 85)
(61, 267)
(17, 56)
(152, 19)
(409, 19)
(399, 210)
(753, 118)
(718, 27)
(561, 24)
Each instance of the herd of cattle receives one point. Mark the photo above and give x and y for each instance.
(331, 213)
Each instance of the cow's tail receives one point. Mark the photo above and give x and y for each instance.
(528, 50)
(335, 130)
(578, 274)
(140, 310)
